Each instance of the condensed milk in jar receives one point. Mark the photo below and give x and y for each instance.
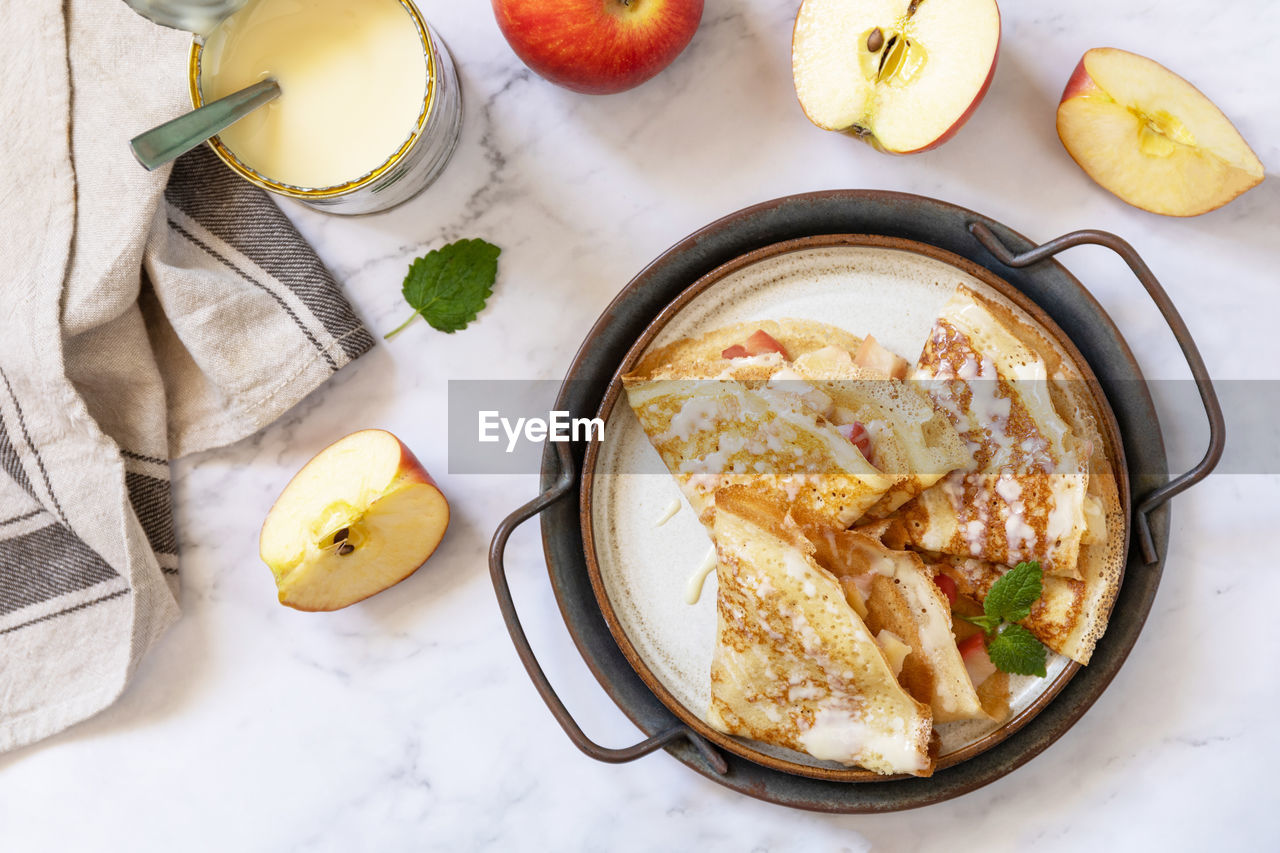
(369, 111)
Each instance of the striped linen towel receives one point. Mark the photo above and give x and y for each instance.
(145, 316)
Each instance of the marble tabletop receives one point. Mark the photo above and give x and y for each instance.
(407, 722)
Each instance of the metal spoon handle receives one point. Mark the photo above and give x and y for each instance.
(172, 139)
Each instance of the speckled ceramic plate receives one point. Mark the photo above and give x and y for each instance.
(643, 559)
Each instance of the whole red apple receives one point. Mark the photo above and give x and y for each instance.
(598, 46)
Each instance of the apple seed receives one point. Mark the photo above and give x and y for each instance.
(891, 55)
(875, 40)
(340, 543)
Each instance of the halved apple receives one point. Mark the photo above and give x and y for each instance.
(902, 75)
(359, 517)
(1152, 138)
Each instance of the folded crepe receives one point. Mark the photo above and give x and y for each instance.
(910, 439)
(813, 370)
(1025, 497)
(718, 422)
(794, 664)
(1071, 613)
(893, 591)
(716, 434)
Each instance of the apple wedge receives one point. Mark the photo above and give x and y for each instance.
(902, 75)
(1152, 138)
(359, 517)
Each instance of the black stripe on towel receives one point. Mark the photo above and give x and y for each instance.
(44, 564)
(22, 424)
(211, 252)
(12, 463)
(154, 507)
(71, 609)
(244, 217)
(144, 458)
(15, 519)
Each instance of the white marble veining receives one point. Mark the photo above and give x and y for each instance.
(407, 722)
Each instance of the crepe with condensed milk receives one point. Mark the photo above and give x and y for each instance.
(894, 592)
(910, 439)
(794, 665)
(716, 434)
(811, 368)
(1071, 613)
(1026, 495)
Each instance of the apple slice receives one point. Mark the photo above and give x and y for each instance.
(875, 357)
(1152, 138)
(902, 75)
(973, 651)
(359, 517)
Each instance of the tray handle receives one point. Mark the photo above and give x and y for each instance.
(497, 571)
(1217, 426)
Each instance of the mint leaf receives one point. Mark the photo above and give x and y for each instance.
(1016, 651)
(1010, 598)
(448, 286)
(987, 623)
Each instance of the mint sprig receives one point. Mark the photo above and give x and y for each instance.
(1012, 648)
(449, 286)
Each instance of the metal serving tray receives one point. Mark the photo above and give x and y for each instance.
(1028, 269)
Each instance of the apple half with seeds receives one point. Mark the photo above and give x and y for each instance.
(902, 75)
(361, 516)
(1152, 138)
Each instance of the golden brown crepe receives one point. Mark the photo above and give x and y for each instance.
(898, 595)
(794, 665)
(838, 642)
(913, 445)
(716, 434)
(1026, 495)
(911, 440)
(1072, 613)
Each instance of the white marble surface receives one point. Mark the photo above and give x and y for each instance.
(408, 723)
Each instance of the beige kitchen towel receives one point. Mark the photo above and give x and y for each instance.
(145, 316)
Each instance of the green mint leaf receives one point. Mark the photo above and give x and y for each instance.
(1010, 598)
(987, 623)
(448, 286)
(1014, 650)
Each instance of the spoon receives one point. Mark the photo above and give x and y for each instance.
(168, 141)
